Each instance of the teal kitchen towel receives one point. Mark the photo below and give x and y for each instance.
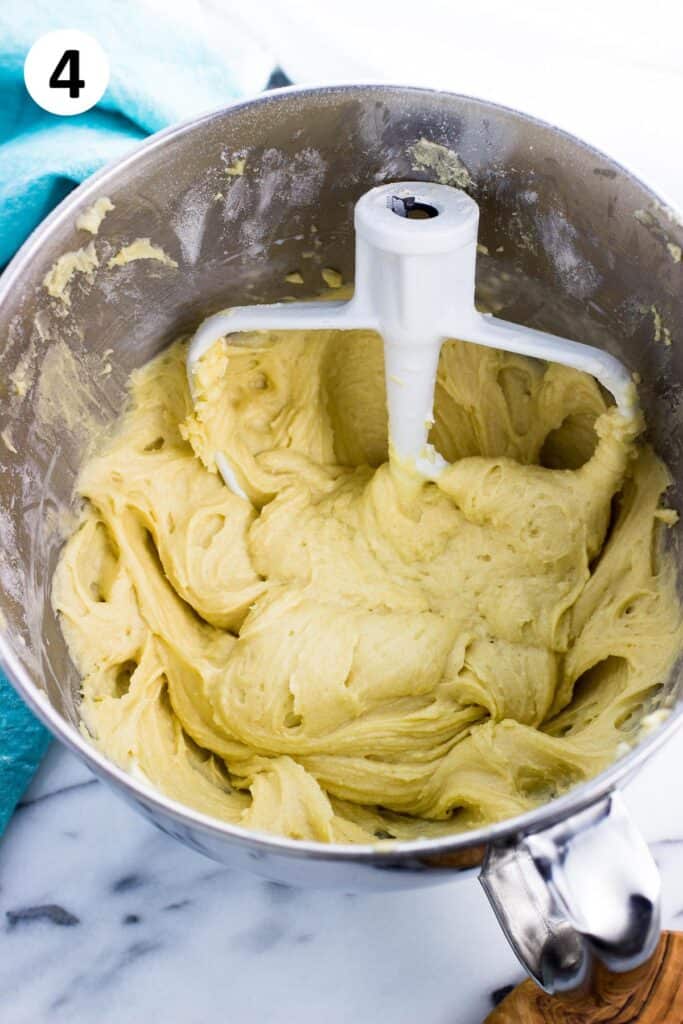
(164, 68)
(23, 741)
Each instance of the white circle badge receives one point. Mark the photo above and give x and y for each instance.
(66, 72)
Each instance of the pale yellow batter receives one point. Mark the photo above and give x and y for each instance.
(330, 661)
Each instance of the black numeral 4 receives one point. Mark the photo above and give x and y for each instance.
(69, 62)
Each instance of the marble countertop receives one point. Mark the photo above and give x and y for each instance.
(103, 918)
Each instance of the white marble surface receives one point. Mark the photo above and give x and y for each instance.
(103, 918)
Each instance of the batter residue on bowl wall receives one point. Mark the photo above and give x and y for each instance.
(323, 661)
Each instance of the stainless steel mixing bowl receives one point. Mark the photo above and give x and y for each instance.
(576, 245)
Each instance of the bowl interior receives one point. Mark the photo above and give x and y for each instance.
(572, 244)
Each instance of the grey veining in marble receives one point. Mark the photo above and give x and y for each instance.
(104, 919)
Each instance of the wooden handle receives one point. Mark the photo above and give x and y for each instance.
(652, 994)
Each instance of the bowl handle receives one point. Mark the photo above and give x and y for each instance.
(582, 889)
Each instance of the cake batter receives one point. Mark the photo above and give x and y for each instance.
(331, 659)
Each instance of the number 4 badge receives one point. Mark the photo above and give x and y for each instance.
(66, 72)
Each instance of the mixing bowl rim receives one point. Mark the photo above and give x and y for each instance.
(536, 819)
